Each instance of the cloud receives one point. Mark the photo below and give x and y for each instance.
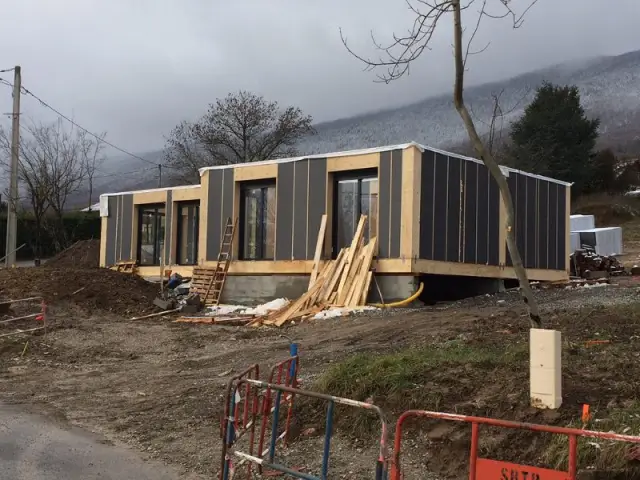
(136, 68)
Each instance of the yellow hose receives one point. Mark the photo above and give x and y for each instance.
(401, 303)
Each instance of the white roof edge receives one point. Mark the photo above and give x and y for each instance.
(162, 189)
(346, 153)
(365, 151)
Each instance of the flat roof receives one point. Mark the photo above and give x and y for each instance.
(366, 151)
(346, 153)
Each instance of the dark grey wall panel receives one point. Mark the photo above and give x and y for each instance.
(111, 230)
(553, 225)
(284, 213)
(214, 213)
(470, 212)
(512, 181)
(562, 230)
(301, 177)
(543, 224)
(427, 184)
(384, 202)
(118, 228)
(521, 216)
(167, 228)
(453, 210)
(532, 238)
(317, 201)
(493, 227)
(482, 250)
(127, 227)
(395, 223)
(440, 215)
(227, 199)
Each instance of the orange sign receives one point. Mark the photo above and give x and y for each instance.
(494, 470)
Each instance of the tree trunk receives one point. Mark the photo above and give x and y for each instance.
(494, 168)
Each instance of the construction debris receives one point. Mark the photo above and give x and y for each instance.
(586, 263)
(343, 282)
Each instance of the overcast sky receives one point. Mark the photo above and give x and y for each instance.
(135, 68)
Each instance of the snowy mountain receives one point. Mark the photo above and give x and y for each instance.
(610, 89)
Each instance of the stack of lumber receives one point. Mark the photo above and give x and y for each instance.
(343, 282)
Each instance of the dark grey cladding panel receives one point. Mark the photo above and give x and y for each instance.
(284, 212)
(126, 234)
(543, 224)
(317, 201)
(562, 230)
(470, 233)
(227, 198)
(384, 202)
(112, 227)
(553, 225)
(493, 228)
(483, 211)
(521, 216)
(427, 190)
(167, 228)
(300, 192)
(440, 206)
(214, 214)
(453, 210)
(512, 181)
(395, 220)
(532, 222)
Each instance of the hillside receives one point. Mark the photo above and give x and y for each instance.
(610, 88)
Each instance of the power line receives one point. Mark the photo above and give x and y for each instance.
(124, 173)
(8, 70)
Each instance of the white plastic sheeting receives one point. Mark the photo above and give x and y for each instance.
(575, 241)
(606, 241)
(582, 222)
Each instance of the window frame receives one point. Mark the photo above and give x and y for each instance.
(179, 239)
(358, 176)
(263, 185)
(155, 207)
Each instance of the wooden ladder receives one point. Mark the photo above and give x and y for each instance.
(214, 291)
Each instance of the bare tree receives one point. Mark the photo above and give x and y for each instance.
(93, 160)
(32, 174)
(241, 127)
(403, 50)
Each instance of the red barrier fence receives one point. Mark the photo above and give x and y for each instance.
(483, 468)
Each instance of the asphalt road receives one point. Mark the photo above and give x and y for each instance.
(35, 448)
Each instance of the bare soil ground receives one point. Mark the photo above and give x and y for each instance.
(158, 385)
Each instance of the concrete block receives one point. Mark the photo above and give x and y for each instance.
(164, 304)
(545, 367)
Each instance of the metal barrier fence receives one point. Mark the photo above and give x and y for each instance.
(40, 317)
(241, 412)
(482, 468)
(269, 463)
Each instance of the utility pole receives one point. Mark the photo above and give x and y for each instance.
(159, 176)
(12, 203)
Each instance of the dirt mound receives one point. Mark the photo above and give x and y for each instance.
(90, 288)
(82, 254)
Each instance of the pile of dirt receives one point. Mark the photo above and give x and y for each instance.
(82, 254)
(91, 288)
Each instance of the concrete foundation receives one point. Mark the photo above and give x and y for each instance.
(258, 289)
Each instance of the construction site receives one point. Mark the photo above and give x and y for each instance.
(354, 315)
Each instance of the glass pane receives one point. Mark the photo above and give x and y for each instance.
(347, 212)
(147, 236)
(270, 224)
(251, 210)
(188, 234)
(160, 235)
(369, 206)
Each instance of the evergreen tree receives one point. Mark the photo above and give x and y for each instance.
(555, 138)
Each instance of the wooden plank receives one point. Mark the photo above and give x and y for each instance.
(362, 274)
(353, 250)
(367, 286)
(317, 254)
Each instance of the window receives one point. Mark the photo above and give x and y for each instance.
(188, 223)
(151, 219)
(258, 225)
(354, 196)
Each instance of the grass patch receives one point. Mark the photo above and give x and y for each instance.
(366, 375)
(602, 456)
